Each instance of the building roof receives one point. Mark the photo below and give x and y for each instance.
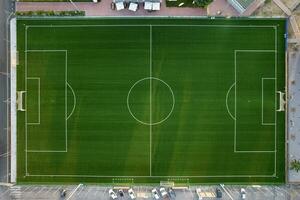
(245, 3)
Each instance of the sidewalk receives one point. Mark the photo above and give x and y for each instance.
(104, 9)
(223, 7)
(293, 129)
(253, 7)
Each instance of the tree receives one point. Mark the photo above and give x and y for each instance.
(295, 165)
(202, 3)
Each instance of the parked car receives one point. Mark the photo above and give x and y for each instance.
(218, 193)
(172, 193)
(112, 194)
(63, 193)
(131, 194)
(243, 193)
(163, 192)
(155, 193)
(121, 193)
(198, 192)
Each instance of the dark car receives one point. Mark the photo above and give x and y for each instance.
(171, 193)
(121, 193)
(63, 193)
(218, 193)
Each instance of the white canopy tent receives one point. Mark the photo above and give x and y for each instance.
(133, 7)
(148, 5)
(155, 6)
(120, 5)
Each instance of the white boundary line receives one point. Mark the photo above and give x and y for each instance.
(262, 103)
(74, 100)
(275, 113)
(46, 151)
(150, 114)
(95, 176)
(66, 100)
(39, 101)
(224, 26)
(25, 79)
(147, 25)
(227, 94)
(45, 50)
(26, 117)
(254, 151)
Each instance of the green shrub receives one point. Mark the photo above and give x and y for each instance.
(202, 3)
(50, 13)
(295, 165)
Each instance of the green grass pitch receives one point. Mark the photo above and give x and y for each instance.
(145, 100)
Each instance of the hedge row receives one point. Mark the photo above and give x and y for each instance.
(189, 3)
(55, 0)
(50, 13)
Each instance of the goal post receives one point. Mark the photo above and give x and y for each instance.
(281, 101)
(20, 105)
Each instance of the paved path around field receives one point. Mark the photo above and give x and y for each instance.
(294, 113)
(223, 7)
(283, 7)
(253, 7)
(104, 9)
(295, 26)
(6, 8)
(289, 13)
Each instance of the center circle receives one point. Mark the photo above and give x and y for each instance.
(150, 101)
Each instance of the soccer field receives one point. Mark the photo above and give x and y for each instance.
(132, 100)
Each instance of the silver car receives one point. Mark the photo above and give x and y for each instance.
(131, 194)
(163, 192)
(112, 194)
(155, 193)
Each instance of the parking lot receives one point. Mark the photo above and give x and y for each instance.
(93, 192)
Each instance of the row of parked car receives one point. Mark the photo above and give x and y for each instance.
(170, 194)
(156, 193)
(113, 194)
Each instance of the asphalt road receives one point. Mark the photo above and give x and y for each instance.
(6, 8)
